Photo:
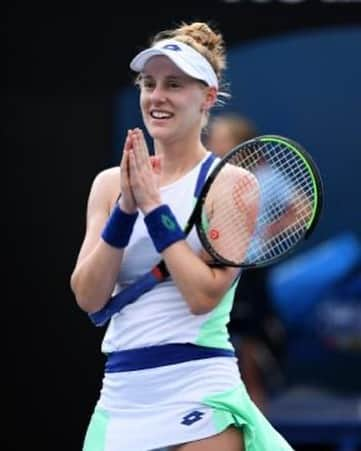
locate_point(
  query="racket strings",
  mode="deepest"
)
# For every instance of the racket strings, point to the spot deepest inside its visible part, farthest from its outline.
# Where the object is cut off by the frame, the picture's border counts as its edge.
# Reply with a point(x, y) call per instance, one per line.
point(285, 203)
point(277, 244)
point(231, 221)
point(286, 184)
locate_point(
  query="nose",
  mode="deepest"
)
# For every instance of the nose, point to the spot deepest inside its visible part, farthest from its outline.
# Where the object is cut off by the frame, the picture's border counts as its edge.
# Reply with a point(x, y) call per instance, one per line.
point(158, 95)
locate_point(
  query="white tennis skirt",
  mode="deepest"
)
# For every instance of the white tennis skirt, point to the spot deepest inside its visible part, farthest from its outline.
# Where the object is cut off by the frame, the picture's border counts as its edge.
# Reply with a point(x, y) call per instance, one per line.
point(153, 408)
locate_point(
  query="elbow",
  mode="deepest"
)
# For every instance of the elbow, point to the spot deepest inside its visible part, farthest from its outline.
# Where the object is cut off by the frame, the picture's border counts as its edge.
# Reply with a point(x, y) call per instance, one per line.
point(75, 286)
point(84, 304)
point(73, 282)
point(202, 305)
point(81, 296)
point(199, 310)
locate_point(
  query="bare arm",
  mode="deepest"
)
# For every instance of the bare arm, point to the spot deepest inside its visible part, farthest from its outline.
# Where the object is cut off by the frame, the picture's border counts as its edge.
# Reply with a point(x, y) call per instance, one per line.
point(236, 198)
point(201, 285)
point(98, 263)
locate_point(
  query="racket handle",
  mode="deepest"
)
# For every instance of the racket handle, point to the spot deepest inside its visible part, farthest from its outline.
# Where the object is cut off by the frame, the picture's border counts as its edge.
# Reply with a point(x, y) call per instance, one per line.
point(123, 298)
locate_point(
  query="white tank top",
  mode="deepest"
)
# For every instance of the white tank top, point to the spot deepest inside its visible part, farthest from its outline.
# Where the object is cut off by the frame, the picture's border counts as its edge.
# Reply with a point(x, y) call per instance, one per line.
point(162, 315)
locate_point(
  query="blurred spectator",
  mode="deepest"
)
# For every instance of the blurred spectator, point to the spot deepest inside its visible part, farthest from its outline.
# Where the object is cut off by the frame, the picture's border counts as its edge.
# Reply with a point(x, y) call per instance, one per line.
point(255, 329)
point(227, 130)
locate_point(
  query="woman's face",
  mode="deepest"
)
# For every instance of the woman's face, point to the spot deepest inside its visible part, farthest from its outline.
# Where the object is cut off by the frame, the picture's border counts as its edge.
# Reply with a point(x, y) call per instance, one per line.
point(172, 103)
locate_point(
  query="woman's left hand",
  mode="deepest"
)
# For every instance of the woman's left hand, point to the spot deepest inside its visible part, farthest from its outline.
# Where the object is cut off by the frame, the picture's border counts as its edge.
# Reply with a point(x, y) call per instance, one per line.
point(144, 174)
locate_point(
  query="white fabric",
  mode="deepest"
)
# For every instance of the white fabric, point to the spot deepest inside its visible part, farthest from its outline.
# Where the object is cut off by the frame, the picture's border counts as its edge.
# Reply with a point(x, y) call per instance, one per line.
point(184, 56)
point(159, 407)
point(161, 315)
point(147, 407)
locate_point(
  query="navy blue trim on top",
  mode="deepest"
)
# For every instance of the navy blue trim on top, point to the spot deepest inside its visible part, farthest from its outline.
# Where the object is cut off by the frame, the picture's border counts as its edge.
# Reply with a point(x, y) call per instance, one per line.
point(203, 174)
point(162, 355)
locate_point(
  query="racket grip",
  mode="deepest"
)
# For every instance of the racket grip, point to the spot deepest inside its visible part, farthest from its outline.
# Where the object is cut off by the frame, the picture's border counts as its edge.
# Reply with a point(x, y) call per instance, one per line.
point(123, 298)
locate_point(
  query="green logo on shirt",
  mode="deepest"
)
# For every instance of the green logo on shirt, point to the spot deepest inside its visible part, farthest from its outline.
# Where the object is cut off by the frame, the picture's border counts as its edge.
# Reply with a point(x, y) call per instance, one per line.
point(168, 222)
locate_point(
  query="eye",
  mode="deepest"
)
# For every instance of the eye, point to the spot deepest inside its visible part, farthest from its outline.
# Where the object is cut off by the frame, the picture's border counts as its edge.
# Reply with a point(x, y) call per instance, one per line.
point(174, 84)
point(148, 84)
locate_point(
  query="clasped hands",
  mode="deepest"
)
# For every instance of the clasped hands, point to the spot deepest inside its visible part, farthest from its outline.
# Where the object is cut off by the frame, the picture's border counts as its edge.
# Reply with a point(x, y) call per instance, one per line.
point(139, 175)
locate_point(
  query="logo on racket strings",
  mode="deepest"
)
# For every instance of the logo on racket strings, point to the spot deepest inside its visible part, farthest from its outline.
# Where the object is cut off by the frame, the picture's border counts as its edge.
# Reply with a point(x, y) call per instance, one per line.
point(214, 234)
point(168, 222)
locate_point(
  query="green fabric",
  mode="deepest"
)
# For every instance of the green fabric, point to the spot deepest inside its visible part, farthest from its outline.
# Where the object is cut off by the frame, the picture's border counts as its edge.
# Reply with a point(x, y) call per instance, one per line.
point(235, 407)
point(95, 436)
point(214, 332)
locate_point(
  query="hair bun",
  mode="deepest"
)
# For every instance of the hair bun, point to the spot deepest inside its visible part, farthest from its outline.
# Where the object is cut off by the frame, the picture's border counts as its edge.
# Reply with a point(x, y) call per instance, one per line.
point(201, 33)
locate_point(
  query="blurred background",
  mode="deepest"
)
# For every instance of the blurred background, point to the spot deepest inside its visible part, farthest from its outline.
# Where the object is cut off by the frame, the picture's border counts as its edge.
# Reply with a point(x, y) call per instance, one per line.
point(294, 70)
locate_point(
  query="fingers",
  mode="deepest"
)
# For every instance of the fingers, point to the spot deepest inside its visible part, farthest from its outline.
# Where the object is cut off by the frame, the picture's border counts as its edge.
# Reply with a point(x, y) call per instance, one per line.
point(141, 149)
point(133, 169)
point(127, 199)
point(143, 175)
point(132, 147)
point(156, 164)
point(127, 143)
point(136, 141)
point(124, 168)
point(124, 161)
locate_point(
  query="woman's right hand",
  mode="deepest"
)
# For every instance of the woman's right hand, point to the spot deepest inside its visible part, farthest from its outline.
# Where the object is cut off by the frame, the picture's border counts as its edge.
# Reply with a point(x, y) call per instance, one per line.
point(126, 201)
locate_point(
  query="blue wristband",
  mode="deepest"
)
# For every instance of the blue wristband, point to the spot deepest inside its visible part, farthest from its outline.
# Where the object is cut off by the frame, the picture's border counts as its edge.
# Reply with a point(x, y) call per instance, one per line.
point(163, 227)
point(119, 227)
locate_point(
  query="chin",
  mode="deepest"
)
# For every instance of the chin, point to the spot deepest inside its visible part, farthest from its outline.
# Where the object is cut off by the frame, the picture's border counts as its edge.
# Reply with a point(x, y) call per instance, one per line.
point(159, 133)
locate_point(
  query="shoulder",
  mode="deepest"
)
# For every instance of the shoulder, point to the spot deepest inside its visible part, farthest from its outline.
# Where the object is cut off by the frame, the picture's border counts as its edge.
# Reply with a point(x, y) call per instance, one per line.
point(233, 175)
point(107, 179)
point(107, 176)
point(106, 185)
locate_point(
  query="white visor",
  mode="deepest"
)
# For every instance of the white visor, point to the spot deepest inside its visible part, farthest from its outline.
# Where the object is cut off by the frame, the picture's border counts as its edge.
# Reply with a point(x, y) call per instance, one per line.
point(184, 56)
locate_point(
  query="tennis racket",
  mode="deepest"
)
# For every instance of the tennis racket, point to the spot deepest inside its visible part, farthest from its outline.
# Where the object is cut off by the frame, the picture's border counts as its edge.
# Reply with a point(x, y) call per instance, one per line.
point(258, 202)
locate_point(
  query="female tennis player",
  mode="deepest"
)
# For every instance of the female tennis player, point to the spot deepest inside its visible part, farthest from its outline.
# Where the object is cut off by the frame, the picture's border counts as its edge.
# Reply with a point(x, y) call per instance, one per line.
point(171, 378)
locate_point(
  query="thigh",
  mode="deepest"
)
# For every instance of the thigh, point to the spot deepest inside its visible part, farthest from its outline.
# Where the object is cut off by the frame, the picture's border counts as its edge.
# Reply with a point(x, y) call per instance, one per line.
point(231, 439)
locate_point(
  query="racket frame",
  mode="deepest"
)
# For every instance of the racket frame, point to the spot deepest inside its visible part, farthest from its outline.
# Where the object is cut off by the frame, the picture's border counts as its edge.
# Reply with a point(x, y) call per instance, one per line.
point(219, 260)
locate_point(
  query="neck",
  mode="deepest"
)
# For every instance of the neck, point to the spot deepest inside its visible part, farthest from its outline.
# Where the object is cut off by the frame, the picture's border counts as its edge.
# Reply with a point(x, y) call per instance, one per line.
point(178, 158)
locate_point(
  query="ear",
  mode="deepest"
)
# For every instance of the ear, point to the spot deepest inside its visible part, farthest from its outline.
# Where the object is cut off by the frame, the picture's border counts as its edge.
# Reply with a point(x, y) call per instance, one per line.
point(210, 98)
